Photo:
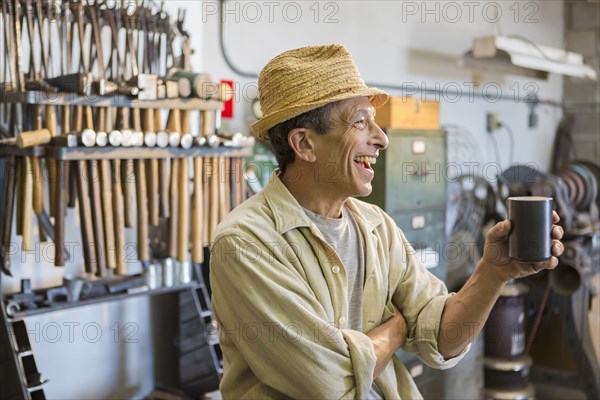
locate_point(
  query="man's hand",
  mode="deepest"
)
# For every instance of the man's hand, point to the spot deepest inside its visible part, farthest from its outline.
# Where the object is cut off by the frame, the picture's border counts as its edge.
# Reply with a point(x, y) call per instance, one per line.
point(495, 252)
point(387, 338)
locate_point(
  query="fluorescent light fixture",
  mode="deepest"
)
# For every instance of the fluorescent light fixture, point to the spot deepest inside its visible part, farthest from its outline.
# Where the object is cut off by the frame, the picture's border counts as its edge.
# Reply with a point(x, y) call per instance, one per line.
point(520, 56)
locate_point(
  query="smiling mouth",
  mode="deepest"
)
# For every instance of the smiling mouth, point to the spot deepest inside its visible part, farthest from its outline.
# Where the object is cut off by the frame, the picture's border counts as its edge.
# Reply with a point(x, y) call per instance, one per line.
point(365, 162)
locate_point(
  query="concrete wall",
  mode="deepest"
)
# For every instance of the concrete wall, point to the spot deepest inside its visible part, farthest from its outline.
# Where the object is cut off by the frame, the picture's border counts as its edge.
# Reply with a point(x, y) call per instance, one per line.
point(582, 98)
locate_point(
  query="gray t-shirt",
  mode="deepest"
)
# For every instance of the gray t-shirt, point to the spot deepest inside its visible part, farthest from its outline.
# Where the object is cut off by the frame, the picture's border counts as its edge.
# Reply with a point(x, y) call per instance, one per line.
point(343, 235)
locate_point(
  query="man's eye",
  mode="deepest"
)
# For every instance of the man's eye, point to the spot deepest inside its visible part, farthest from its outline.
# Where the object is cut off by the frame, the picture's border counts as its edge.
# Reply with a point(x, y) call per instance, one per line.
point(360, 124)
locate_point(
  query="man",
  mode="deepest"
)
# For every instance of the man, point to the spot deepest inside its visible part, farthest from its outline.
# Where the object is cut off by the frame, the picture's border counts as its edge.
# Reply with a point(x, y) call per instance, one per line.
point(314, 290)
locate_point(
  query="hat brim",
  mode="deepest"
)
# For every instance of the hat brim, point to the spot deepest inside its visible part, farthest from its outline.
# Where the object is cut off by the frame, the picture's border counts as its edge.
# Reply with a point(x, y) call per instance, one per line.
point(261, 127)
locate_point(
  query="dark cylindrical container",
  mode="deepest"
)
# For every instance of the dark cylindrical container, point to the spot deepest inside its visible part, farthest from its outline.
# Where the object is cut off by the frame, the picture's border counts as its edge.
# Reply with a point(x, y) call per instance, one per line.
point(530, 238)
point(526, 393)
point(505, 328)
point(507, 374)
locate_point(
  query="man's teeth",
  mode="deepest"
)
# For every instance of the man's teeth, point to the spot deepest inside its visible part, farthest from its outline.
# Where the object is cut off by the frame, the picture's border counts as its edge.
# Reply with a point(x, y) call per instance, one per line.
point(370, 160)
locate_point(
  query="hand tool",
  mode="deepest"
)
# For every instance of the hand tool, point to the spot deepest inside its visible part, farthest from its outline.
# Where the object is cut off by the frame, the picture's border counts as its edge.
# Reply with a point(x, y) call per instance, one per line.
point(127, 169)
point(37, 178)
point(96, 195)
point(224, 187)
point(197, 214)
point(52, 126)
point(152, 165)
point(147, 83)
point(174, 125)
point(105, 121)
point(183, 234)
point(82, 178)
point(208, 128)
point(187, 140)
point(119, 217)
point(202, 85)
point(142, 198)
point(30, 138)
point(10, 182)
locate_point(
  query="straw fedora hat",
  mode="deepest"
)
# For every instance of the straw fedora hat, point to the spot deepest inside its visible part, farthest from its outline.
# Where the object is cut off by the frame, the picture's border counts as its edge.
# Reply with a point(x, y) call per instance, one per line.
point(307, 78)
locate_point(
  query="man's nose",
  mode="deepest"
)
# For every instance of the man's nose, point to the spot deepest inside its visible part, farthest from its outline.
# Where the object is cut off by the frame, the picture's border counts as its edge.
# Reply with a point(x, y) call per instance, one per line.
point(377, 137)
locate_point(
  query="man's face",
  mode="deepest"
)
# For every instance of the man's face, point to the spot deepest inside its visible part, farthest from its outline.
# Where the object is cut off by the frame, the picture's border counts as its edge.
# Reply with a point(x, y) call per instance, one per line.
point(344, 155)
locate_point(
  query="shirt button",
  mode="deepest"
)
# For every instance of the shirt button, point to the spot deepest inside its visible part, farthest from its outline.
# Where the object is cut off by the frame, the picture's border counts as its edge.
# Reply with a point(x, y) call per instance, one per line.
point(342, 320)
point(335, 269)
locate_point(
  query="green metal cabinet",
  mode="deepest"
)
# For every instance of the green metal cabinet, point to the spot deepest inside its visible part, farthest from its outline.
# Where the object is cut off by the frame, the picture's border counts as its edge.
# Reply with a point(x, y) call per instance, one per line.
point(410, 185)
point(412, 172)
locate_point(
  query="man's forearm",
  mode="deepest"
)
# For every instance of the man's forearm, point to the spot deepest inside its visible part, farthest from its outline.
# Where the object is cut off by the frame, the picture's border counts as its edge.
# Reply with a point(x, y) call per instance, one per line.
point(465, 313)
point(387, 338)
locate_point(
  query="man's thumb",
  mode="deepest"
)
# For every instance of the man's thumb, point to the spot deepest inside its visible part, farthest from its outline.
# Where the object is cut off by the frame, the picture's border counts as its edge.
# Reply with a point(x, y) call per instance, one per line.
point(499, 232)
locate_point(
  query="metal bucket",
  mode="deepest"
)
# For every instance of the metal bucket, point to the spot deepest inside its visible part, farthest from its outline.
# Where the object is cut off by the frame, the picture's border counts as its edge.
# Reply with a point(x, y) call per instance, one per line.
point(507, 374)
point(505, 327)
point(526, 393)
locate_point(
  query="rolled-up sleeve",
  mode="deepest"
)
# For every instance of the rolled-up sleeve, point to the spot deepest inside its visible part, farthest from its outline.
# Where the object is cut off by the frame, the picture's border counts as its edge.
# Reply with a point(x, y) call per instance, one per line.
point(279, 330)
point(421, 297)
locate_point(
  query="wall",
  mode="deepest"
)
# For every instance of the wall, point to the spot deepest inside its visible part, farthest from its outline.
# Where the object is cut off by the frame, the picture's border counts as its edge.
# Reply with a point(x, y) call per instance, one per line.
point(402, 43)
point(582, 19)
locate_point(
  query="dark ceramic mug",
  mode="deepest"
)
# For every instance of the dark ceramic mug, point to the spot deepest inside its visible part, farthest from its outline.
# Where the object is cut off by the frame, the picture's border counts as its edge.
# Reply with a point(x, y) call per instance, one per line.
point(530, 238)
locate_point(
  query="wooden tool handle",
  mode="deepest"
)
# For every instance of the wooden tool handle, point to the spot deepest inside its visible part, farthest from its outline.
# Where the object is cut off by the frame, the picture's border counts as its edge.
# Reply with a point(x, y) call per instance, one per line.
point(225, 195)
point(174, 213)
point(152, 164)
point(129, 185)
point(101, 119)
point(38, 185)
point(208, 123)
point(206, 165)
point(153, 192)
point(65, 123)
point(88, 122)
point(85, 219)
point(183, 234)
point(123, 118)
point(51, 120)
point(97, 218)
point(109, 226)
point(7, 221)
point(241, 192)
point(20, 189)
point(52, 126)
point(78, 119)
point(197, 214)
point(148, 120)
point(142, 211)
point(214, 200)
point(174, 121)
point(186, 121)
point(59, 213)
point(136, 119)
point(27, 199)
point(33, 138)
point(158, 120)
point(164, 179)
point(119, 218)
point(128, 174)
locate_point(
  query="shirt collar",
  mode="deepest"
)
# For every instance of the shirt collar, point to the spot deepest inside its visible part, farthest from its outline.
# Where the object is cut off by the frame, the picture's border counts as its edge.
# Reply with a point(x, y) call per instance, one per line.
point(288, 214)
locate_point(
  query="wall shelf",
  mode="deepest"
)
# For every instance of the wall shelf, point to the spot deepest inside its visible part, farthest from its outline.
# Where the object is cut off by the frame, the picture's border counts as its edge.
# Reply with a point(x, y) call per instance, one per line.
point(19, 316)
point(65, 99)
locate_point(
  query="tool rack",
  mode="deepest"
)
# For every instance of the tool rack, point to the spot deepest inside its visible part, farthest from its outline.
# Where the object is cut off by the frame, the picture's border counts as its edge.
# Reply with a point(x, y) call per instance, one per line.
point(16, 351)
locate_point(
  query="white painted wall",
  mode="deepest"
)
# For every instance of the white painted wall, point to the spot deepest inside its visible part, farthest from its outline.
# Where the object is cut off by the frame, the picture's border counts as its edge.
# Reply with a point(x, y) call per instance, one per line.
point(396, 43)
point(390, 46)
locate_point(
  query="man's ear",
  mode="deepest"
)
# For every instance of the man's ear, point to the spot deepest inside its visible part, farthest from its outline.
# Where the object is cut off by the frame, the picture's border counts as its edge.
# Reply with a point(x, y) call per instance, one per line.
point(301, 142)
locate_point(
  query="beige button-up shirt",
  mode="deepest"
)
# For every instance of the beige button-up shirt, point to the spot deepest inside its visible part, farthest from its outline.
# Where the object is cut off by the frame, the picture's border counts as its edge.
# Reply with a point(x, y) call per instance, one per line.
point(280, 298)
